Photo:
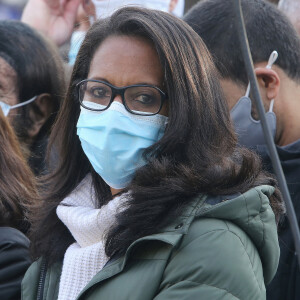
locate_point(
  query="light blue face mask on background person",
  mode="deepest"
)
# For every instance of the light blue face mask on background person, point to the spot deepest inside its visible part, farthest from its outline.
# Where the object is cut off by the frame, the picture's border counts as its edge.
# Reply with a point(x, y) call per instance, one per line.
point(6, 108)
point(248, 130)
point(105, 8)
point(75, 44)
point(114, 141)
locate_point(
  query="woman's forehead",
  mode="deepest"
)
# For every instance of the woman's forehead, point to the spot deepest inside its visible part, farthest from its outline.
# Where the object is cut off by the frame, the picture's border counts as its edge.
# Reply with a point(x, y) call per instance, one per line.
point(124, 59)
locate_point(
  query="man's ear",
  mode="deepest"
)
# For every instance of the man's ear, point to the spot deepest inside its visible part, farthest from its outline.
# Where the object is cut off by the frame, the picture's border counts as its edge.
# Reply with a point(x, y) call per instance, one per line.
point(41, 110)
point(269, 82)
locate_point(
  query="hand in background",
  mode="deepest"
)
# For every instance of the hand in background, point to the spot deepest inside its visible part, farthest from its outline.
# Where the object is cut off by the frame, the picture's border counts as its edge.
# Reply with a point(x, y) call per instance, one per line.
point(54, 18)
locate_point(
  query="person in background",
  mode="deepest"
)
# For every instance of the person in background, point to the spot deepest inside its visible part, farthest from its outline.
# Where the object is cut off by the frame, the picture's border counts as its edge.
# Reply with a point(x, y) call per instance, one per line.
point(190, 3)
point(85, 18)
point(11, 9)
point(291, 8)
point(279, 82)
point(176, 8)
point(152, 198)
point(32, 85)
point(56, 19)
point(17, 197)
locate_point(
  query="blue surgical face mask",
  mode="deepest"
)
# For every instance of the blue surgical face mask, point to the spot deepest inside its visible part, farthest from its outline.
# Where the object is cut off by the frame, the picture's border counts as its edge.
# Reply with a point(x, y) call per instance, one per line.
point(249, 131)
point(114, 141)
point(6, 108)
point(75, 44)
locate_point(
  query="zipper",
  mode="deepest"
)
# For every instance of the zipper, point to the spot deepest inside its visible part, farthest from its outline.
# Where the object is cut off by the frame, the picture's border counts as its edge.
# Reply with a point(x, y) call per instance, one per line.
point(40, 291)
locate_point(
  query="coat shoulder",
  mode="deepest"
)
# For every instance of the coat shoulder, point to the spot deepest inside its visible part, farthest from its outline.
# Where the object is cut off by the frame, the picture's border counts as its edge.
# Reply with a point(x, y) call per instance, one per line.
point(217, 258)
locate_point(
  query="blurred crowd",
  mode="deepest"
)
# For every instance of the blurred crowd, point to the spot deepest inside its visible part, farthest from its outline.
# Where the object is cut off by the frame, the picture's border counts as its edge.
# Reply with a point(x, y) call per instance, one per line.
point(11, 9)
point(133, 163)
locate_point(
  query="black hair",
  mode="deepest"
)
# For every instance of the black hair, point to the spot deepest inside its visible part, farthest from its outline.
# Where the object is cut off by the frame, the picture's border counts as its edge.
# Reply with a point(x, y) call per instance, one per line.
point(267, 29)
point(197, 154)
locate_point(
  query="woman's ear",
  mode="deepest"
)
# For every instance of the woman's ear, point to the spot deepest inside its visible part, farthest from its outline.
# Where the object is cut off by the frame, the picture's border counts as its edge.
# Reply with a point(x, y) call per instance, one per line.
point(269, 82)
point(39, 114)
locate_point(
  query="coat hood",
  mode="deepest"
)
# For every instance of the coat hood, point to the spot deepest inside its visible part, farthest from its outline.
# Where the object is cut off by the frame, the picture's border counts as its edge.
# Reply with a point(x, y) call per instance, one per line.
point(251, 211)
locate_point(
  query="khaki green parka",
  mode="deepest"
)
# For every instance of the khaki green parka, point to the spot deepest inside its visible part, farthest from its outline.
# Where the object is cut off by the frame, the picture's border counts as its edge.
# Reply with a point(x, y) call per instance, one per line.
point(221, 248)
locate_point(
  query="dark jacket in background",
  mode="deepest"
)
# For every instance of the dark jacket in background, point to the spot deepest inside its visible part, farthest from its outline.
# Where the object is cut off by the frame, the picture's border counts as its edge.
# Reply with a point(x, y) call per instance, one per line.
point(286, 284)
point(14, 261)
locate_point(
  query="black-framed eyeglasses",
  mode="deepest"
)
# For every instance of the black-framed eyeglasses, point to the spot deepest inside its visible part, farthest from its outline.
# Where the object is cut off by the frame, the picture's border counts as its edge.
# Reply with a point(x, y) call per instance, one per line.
point(138, 99)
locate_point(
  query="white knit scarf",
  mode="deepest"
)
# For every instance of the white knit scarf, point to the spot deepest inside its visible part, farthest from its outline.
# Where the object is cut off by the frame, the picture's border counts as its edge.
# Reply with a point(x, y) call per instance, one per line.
point(88, 225)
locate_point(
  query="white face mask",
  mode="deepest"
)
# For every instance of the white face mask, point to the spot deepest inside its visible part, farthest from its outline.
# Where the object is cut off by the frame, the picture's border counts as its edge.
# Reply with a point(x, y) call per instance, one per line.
point(105, 8)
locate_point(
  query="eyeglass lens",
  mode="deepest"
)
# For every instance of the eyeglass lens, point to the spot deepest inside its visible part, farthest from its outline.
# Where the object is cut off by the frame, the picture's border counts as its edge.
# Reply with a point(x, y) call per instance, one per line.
point(141, 99)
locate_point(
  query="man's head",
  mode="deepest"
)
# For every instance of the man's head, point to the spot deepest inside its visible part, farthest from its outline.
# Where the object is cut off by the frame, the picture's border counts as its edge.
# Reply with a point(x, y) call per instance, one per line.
point(267, 30)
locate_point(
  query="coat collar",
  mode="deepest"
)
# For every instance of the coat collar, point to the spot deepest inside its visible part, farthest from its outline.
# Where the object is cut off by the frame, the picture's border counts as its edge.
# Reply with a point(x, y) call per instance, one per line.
point(182, 224)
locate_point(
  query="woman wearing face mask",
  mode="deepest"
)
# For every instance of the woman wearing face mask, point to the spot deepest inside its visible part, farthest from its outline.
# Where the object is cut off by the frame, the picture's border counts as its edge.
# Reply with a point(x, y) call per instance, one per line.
point(17, 194)
point(152, 198)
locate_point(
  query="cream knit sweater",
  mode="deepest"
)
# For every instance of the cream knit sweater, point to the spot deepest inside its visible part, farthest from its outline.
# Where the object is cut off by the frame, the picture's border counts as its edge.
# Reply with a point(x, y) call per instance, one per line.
point(88, 225)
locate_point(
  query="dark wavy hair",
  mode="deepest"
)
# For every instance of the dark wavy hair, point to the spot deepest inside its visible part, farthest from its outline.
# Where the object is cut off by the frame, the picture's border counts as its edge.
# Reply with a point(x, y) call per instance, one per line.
point(197, 153)
point(18, 192)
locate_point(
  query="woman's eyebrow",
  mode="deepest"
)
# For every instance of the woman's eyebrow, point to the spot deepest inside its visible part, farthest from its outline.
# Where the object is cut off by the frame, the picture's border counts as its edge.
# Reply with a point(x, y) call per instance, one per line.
point(136, 83)
point(146, 83)
point(99, 78)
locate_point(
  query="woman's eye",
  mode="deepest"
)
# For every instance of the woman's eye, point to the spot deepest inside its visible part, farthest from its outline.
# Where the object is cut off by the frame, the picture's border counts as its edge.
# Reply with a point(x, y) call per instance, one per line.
point(99, 92)
point(145, 99)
